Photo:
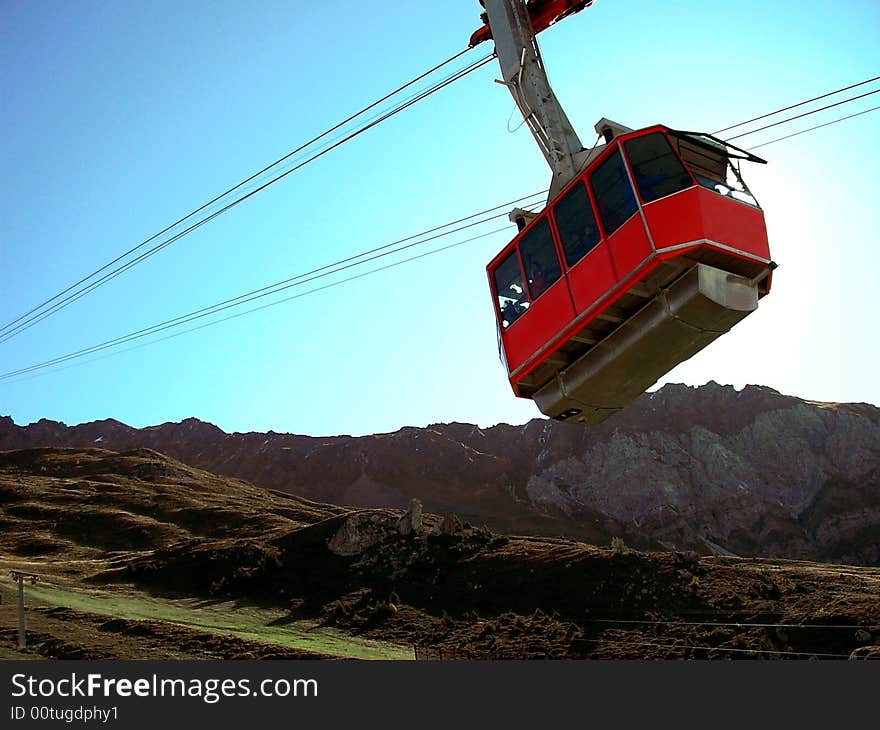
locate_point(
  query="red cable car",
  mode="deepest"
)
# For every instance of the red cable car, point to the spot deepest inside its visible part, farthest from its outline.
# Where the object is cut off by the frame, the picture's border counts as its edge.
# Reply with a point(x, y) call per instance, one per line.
point(651, 246)
point(648, 255)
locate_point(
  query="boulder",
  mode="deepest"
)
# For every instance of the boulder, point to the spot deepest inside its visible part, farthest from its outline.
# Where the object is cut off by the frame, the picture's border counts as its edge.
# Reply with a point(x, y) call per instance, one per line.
point(360, 531)
point(411, 521)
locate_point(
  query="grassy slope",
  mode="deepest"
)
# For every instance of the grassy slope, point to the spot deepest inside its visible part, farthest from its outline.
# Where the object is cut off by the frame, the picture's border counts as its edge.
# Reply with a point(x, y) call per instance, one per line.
point(219, 617)
point(10, 654)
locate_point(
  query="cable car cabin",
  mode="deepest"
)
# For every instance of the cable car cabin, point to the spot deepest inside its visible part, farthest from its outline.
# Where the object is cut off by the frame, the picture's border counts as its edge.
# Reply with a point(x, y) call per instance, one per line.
point(652, 252)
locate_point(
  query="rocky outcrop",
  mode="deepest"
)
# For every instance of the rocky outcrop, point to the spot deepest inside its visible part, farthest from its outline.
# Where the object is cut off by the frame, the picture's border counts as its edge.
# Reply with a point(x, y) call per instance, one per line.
point(710, 469)
point(410, 523)
point(362, 530)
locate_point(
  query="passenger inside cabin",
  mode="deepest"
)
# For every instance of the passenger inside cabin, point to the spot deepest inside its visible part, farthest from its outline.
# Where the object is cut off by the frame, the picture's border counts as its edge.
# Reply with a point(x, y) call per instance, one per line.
point(537, 280)
point(511, 312)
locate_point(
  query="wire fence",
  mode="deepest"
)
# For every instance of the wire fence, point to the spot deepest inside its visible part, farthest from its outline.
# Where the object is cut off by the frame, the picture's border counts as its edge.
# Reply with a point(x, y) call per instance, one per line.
point(862, 644)
point(425, 652)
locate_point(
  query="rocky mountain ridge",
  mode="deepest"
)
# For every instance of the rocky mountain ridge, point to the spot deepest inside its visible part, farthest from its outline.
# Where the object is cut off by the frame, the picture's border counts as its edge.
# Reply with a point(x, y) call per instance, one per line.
point(711, 469)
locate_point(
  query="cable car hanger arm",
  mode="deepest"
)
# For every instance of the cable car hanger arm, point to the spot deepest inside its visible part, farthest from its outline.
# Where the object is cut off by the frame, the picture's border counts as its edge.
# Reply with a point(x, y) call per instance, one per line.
point(542, 13)
point(513, 25)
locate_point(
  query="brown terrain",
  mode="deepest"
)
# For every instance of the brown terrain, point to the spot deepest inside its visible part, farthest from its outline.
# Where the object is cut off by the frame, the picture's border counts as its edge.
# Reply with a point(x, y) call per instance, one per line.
point(711, 470)
point(139, 525)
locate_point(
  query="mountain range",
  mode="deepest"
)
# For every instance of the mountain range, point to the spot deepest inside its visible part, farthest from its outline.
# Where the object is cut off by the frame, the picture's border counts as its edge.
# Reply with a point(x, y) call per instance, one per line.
point(711, 469)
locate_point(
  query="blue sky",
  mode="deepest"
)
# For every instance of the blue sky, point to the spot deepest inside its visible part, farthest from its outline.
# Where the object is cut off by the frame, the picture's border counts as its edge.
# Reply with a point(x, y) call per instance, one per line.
point(119, 118)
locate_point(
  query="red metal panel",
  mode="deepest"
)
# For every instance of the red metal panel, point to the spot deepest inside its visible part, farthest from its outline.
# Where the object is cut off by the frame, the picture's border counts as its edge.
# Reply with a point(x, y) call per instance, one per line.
point(629, 246)
point(591, 277)
point(675, 219)
point(542, 13)
point(545, 317)
point(734, 224)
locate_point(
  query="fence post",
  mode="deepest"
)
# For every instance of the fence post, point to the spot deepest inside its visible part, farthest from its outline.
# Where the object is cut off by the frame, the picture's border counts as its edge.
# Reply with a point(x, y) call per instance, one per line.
point(22, 637)
point(19, 578)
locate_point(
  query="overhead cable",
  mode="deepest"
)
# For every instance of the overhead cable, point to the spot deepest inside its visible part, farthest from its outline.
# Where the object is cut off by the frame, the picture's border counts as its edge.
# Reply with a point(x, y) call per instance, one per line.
point(805, 114)
point(299, 280)
point(818, 126)
point(795, 106)
point(34, 315)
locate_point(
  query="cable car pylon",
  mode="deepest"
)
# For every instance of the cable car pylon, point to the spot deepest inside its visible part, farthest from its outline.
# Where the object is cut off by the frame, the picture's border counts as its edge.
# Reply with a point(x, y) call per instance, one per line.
point(651, 245)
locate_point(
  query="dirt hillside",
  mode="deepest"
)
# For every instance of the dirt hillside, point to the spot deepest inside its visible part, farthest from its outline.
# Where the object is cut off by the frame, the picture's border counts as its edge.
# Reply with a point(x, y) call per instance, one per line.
point(139, 524)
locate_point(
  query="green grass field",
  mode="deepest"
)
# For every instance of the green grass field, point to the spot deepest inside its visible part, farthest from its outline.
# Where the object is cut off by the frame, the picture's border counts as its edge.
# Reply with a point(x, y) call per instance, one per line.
point(269, 626)
point(10, 654)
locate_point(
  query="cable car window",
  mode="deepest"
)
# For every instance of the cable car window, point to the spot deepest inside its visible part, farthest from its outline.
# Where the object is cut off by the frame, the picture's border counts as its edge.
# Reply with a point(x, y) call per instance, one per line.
point(539, 258)
point(512, 299)
point(713, 169)
point(614, 194)
point(656, 168)
point(576, 223)
point(708, 165)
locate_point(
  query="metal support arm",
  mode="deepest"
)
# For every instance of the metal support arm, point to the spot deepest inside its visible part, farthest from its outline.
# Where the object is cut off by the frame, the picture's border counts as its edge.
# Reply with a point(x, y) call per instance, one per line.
point(523, 74)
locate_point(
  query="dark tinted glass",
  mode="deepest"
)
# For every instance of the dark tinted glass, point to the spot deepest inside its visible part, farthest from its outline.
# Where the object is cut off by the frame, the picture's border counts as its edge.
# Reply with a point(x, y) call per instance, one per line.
point(656, 168)
point(512, 299)
point(539, 258)
point(614, 194)
point(576, 223)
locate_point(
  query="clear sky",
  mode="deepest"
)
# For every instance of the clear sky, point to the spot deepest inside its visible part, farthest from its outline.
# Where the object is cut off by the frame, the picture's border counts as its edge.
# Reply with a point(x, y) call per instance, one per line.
point(118, 118)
